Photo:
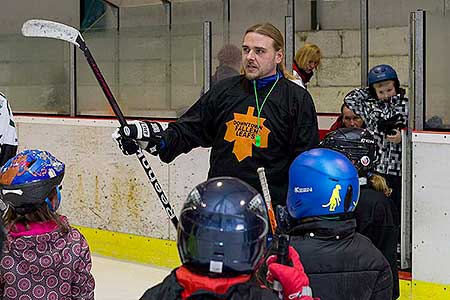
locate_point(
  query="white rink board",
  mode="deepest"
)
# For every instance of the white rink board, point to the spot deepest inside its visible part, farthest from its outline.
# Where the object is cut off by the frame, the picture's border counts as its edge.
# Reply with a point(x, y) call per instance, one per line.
point(431, 207)
point(102, 187)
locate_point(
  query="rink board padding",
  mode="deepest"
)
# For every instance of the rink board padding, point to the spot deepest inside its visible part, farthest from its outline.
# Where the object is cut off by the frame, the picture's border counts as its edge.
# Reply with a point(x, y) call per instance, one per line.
point(131, 247)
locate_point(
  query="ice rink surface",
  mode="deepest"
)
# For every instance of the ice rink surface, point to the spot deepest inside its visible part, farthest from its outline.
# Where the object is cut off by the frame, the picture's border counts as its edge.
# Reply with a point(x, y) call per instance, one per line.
point(121, 280)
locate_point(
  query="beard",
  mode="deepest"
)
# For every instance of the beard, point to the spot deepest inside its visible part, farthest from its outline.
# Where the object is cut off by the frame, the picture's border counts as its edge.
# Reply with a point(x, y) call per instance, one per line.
point(251, 76)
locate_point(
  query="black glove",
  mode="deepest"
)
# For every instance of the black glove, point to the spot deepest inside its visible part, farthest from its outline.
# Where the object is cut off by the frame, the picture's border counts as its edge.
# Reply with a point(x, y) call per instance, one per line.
point(284, 219)
point(387, 126)
point(146, 135)
point(127, 146)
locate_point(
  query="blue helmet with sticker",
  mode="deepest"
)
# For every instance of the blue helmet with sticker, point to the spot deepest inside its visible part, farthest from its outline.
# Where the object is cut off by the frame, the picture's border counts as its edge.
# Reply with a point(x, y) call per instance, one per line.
point(222, 228)
point(381, 73)
point(322, 182)
point(27, 179)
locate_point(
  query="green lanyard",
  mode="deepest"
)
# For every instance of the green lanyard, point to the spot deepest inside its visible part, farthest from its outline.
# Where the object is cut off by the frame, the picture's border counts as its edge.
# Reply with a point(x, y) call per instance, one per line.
point(259, 109)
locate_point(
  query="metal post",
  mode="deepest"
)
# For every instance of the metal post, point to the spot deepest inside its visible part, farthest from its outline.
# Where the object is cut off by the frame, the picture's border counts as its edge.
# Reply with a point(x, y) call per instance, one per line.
point(420, 70)
point(72, 80)
point(315, 22)
point(226, 21)
point(364, 14)
point(289, 34)
point(207, 55)
point(168, 11)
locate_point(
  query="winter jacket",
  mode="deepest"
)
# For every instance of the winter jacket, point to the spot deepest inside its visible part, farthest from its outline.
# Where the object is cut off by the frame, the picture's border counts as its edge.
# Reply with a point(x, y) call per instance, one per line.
point(8, 134)
point(372, 111)
point(171, 289)
point(375, 218)
point(340, 263)
point(225, 119)
point(45, 263)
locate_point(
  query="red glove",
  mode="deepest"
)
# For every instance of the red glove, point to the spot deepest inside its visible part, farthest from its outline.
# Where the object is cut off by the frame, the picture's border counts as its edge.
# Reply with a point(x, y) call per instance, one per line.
point(293, 279)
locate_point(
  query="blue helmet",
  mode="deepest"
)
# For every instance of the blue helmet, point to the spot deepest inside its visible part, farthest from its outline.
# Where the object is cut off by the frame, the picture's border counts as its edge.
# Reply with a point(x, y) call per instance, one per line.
point(381, 73)
point(222, 228)
point(322, 182)
point(27, 179)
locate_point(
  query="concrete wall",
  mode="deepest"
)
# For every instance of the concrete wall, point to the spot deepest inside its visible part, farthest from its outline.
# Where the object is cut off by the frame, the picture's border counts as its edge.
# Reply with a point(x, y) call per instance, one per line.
point(14, 12)
point(340, 70)
point(156, 74)
point(35, 71)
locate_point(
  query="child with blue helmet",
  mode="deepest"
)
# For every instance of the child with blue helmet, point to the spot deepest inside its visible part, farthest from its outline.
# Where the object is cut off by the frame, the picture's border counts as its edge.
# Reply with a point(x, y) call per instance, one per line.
point(221, 241)
point(43, 257)
point(384, 108)
point(375, 213)
point(340, 263)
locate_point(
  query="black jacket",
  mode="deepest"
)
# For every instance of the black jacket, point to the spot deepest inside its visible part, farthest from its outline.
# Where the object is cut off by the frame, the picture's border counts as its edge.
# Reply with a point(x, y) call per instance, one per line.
point(170, 289)
point(225, 118)
point(375, 218)
point(340, 263)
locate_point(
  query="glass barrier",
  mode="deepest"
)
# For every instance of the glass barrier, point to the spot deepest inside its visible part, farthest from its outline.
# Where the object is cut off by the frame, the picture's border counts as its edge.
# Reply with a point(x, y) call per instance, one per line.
point(153, 71)
point(437, 104)
point(340, 47)
point(35, 74)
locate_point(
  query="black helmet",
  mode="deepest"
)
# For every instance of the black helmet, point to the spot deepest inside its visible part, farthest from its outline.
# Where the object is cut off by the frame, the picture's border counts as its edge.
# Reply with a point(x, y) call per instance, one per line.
point(358, 144)
point(222, 229)
point(27, 179)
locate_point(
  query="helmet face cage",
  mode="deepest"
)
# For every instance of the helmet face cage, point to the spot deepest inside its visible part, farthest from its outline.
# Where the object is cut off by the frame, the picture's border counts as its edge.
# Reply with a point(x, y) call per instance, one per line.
point(223, 228)
point(27, 179)
point(357, 144)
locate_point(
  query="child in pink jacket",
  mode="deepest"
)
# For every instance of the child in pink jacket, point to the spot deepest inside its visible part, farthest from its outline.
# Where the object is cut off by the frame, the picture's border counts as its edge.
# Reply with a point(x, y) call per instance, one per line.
point(43, 257)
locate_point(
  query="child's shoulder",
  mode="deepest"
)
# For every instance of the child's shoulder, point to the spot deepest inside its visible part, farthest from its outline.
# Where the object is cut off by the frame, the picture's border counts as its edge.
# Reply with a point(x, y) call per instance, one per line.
point(358, 93)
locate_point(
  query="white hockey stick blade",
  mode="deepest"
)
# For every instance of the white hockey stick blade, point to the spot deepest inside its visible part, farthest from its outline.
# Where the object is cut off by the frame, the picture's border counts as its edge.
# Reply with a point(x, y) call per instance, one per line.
point(50, 29)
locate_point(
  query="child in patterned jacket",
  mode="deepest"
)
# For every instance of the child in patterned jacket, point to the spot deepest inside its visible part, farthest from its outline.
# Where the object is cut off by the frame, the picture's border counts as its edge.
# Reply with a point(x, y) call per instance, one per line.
point(43, 257)
point(384, 107)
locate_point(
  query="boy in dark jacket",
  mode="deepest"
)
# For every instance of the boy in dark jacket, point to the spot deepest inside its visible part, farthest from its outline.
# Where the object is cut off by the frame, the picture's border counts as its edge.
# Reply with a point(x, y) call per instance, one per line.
point(375, 213)
point(221, 241)
point(340, 263)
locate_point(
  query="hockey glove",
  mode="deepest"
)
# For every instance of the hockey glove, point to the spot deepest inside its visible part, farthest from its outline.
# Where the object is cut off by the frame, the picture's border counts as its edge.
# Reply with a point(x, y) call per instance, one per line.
point(127, 146)
point(294, 280)
point(148, 135)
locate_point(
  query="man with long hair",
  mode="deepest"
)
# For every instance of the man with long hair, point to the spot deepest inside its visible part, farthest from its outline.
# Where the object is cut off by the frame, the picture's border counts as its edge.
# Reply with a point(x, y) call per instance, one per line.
point(257, 119)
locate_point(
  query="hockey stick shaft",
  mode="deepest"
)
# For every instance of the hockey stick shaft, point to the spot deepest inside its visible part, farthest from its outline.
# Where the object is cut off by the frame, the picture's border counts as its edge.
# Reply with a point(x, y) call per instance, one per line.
point(49, 29)
point(101, 80)
point(267, 198)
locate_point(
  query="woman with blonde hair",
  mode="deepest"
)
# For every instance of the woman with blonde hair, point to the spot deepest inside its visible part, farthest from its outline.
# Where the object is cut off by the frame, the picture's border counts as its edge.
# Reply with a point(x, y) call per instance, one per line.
point(307, 59)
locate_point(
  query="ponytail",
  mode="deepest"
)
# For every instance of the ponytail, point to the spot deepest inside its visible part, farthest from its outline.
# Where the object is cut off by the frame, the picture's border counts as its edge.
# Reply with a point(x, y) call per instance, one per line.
point(379, 184)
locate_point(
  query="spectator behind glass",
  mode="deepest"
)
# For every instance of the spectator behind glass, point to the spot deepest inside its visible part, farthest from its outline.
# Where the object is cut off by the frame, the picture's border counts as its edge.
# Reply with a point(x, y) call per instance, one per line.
point(347, 119)
point(229, 64)
point(307, 59)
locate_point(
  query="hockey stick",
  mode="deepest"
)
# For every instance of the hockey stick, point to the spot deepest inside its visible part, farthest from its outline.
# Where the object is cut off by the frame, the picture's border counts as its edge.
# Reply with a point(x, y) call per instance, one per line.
point(267, 199)
point(50, 29)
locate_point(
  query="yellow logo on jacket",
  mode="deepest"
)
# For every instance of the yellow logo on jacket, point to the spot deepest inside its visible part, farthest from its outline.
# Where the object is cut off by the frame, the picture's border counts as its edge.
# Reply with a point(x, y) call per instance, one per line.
point(242, 130)
point(335, 199)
